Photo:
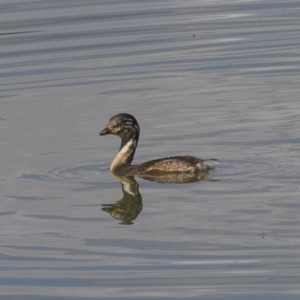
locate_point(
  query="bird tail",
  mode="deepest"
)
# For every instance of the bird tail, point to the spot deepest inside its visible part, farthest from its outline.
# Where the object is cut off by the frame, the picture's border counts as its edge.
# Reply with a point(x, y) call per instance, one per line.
point(210, 163)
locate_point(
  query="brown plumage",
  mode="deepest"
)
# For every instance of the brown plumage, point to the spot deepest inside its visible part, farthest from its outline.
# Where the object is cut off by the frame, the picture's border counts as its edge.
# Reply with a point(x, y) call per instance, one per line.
point(126, 127)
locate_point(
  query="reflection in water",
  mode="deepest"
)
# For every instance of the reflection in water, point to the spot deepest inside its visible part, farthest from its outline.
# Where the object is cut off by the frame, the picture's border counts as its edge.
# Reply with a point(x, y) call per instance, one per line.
point(128, 208)
point(177, 178)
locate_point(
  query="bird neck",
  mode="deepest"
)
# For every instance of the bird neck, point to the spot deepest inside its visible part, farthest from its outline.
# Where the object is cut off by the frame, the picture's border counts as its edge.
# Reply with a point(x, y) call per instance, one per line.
point(125, 155)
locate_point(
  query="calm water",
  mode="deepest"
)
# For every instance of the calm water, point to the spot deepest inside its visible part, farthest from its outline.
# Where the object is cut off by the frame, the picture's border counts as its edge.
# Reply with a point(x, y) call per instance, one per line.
point(215, 79)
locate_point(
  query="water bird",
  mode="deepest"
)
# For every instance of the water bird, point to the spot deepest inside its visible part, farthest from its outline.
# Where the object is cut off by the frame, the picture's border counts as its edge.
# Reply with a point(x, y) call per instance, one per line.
point(127, 128)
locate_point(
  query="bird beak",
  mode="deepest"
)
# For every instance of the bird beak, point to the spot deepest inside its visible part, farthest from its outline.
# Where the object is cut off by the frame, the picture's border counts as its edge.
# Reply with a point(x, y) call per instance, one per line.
point(105, 131)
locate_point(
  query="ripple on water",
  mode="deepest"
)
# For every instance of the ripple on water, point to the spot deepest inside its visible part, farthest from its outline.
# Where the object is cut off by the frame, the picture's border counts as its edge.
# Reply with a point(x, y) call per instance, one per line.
point(82, 173)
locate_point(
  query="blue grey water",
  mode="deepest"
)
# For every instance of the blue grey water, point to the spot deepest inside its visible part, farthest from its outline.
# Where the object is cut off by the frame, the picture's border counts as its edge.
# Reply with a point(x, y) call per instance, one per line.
point(214, 79)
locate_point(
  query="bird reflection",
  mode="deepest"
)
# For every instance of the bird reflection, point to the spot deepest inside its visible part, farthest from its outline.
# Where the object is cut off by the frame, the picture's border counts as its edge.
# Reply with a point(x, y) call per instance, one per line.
point(128, 208)
point(177, 178)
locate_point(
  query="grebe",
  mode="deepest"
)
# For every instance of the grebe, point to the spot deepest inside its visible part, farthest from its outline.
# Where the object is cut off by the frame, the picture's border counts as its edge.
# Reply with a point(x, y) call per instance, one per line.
point(127, 128)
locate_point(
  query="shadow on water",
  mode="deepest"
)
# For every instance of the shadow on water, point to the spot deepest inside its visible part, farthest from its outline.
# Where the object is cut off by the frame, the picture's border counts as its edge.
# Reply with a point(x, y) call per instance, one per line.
point(129, 207)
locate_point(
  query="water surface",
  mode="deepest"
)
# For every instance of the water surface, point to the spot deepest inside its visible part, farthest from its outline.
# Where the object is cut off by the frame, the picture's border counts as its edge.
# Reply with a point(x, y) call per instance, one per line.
point(213, 79)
